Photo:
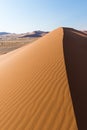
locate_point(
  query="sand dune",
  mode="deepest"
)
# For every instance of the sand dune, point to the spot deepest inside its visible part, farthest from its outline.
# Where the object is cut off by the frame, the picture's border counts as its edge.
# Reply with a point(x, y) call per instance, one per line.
point(34, 89)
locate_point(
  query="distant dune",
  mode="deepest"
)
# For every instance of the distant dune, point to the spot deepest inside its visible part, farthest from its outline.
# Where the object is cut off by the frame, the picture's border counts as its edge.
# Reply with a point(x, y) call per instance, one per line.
point(35, 34)
point(4, 33)
point(10, 45)
point(12, 41)
point(43, 85)
point(12, 36)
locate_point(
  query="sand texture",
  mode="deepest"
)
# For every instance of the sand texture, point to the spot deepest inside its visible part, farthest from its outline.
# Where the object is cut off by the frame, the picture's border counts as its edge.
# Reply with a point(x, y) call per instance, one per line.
point(34, 89)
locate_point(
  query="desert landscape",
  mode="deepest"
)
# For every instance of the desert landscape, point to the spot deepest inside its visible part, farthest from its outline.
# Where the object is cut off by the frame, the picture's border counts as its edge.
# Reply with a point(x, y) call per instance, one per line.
point(11, 41)
point(43, 65)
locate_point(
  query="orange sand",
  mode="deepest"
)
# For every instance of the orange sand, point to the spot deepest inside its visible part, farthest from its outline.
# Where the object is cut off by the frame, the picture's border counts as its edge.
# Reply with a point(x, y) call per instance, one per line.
point(34, 91)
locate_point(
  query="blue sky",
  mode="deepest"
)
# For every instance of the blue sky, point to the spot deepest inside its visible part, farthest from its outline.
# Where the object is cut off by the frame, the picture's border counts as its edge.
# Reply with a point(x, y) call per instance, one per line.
point(19, 16)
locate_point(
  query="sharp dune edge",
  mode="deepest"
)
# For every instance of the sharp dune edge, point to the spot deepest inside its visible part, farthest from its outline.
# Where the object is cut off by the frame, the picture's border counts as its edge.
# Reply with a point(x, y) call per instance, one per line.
point(34, 90)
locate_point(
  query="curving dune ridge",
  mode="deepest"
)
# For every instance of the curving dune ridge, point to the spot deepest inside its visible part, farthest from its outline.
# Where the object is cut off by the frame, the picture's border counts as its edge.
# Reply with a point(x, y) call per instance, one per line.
point(34, 89)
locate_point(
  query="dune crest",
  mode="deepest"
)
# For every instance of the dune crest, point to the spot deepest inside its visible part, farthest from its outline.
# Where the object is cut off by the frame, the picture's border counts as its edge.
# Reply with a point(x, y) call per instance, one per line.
point(34, 90)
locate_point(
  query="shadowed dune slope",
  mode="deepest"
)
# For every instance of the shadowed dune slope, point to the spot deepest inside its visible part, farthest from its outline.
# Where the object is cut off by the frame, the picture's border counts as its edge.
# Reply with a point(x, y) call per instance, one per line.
point(75, 51)
point(34, 90)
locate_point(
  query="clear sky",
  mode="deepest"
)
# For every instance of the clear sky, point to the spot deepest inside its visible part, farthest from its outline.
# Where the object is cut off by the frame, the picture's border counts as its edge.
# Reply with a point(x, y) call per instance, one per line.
point(19, 16)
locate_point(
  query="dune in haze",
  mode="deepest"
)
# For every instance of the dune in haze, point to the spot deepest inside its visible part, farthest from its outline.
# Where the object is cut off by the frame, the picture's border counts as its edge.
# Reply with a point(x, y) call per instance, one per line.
point(36, 89)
